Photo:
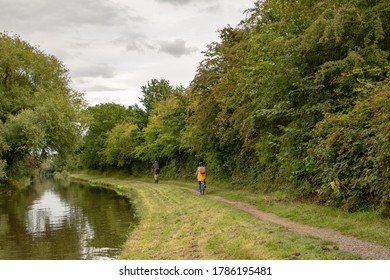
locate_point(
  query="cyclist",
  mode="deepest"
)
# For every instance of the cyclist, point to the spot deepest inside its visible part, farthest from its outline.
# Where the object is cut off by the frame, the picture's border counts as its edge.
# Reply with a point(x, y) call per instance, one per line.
point(156, 171)
point(201, 175)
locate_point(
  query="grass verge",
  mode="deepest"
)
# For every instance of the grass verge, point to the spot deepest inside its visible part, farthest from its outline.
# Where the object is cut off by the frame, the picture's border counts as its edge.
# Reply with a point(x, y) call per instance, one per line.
point(175, 224)
point(365, 225)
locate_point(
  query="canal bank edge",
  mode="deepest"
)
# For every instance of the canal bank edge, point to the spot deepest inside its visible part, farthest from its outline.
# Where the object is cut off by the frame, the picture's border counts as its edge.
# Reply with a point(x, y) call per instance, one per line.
point(118, 185)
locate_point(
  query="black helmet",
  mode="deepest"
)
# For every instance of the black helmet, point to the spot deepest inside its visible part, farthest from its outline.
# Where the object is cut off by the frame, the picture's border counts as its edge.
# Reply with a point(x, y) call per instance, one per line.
point(200, 163)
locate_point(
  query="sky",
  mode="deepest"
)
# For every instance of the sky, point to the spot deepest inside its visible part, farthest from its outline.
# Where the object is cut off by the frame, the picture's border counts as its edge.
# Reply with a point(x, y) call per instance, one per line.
point(114, 47)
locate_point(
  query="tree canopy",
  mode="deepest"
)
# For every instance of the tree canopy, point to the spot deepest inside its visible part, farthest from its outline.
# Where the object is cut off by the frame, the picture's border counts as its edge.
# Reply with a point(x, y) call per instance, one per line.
point(40, 115)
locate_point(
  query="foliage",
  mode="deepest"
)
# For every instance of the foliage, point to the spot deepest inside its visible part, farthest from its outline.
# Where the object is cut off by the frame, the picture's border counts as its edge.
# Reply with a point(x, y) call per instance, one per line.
point(154, 91)
point(39, 113)
point(289, 97)
point(163, 133)
point(121, 143)
point(104, 117)
point(352, 153)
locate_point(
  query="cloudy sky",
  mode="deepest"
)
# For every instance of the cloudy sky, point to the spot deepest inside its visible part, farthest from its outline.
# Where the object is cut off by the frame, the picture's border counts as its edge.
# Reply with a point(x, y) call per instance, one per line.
point(114, 47)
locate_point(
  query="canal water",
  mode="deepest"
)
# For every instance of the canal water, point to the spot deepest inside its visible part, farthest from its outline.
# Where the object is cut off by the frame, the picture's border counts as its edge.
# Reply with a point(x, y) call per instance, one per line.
point(53, 221)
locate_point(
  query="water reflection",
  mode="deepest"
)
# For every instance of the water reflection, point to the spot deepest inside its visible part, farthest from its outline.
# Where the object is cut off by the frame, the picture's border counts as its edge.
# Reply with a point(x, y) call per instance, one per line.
point(47, 212)
point(51, 221)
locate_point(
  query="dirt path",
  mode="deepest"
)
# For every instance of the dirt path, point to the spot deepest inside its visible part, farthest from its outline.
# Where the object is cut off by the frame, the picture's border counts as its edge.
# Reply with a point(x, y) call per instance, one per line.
point(365, 249)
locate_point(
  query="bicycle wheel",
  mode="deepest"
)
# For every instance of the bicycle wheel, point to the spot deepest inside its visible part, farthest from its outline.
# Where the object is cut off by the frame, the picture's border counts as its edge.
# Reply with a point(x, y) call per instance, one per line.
point(156, 178)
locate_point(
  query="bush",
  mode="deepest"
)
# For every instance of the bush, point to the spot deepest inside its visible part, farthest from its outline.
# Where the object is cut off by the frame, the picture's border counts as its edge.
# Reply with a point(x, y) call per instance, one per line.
point(352, 154)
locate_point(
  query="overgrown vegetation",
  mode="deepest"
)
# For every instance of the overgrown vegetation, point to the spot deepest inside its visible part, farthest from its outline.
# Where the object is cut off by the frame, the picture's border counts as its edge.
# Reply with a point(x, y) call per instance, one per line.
point(295, 97)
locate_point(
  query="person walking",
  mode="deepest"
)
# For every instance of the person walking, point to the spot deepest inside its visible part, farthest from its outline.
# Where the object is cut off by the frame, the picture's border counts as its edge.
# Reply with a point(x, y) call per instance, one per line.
point(201, 175)
point(156, 171)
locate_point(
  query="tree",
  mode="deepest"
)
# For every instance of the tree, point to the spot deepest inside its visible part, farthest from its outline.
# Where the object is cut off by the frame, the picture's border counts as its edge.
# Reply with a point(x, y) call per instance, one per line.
point(121, 143)
point(40, 114)
point(162, 135)
point(103, 118)
point(154, 91)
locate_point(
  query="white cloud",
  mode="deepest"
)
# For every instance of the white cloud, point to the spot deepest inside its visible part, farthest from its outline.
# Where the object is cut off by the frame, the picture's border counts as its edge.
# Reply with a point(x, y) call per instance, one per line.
point(92, 71)
point(114, 47)
point(64, 15)
point(135, 41)
point(176, 2)
point(103, 88)
point(176, 48)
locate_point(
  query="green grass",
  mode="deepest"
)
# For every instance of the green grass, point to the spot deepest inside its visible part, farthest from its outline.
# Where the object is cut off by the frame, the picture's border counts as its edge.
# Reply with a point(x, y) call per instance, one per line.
point(368, 225)
point(176, 224)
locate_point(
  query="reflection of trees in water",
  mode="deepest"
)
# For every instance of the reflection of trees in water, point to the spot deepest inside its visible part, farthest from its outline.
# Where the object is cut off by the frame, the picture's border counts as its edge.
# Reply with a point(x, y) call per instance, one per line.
point(75, 222)
point(108, 213)
point(50, 221)
point(47, 212)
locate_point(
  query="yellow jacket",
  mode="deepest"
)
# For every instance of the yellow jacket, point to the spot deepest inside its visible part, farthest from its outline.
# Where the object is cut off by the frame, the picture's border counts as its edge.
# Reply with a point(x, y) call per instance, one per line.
point(199, 176)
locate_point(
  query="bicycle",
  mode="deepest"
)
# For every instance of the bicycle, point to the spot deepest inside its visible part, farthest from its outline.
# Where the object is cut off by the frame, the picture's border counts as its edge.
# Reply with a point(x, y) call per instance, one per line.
point(156, 178)
point(202, 187)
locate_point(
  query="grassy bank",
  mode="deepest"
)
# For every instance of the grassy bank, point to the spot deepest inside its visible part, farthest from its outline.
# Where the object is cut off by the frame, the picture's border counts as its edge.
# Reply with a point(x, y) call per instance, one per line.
point(176, 224)
point(365, 225)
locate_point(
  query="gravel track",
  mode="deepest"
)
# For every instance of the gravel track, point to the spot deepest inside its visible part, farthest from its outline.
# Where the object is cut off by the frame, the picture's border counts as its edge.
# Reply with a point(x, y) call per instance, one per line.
point(367, 250)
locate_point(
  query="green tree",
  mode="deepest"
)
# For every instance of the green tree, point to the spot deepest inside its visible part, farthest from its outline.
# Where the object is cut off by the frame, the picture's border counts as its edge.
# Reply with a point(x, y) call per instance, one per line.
point(40, 114)
point(154, 91)
point(121, 144)
point(103, 118)
point(162, 136)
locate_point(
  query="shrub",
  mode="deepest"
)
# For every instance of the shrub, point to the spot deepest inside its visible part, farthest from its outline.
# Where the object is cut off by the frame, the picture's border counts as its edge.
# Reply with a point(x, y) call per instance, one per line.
point(352, 154)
